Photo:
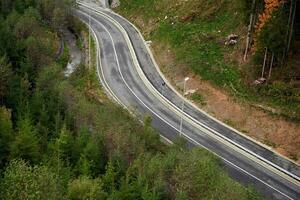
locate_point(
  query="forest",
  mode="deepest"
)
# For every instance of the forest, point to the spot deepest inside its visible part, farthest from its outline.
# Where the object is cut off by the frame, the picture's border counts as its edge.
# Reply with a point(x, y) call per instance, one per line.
point(62, 138)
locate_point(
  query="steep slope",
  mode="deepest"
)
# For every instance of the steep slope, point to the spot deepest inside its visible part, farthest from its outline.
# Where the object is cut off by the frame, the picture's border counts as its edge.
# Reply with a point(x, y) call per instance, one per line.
point(188, 39)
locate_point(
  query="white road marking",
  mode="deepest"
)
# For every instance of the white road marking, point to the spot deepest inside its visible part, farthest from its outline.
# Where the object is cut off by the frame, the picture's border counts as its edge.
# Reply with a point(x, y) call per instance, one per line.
point(205, 126)
point(192, 120)
point(191, 139)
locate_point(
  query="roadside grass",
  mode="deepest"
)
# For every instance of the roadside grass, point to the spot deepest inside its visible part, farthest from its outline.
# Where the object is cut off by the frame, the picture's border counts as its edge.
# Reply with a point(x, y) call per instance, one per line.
point(65, 56)
point(200, 45)
point(196, 32)
point(139, 147)
point(79, 44)
point(230, 123)
point(196, 42)
point(198, 98)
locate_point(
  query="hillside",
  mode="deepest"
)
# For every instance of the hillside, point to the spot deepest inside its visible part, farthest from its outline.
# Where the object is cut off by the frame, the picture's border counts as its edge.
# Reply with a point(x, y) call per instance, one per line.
point(62, 137)
point(189, 39)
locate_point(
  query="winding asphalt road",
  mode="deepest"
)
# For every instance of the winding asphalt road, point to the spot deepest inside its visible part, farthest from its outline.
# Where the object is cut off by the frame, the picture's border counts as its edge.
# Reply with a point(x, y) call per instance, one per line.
point(130, 76)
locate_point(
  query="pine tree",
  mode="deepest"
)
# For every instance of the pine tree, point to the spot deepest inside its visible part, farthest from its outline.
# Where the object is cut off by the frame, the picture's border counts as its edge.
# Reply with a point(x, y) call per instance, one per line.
point(5, 76)
point(6, 136)
point(26, 143)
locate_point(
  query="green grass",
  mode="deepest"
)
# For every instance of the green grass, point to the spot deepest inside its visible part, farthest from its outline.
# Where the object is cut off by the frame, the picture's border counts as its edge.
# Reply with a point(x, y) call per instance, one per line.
point(198, 43)
point(65, 56)
point(195, 43)
point(79, 43)
point(197, 97)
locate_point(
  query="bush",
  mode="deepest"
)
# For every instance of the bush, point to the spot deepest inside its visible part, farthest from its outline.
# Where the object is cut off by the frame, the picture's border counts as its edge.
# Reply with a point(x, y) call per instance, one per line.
point(86, 188)
point(272, 36)
point(21, 181)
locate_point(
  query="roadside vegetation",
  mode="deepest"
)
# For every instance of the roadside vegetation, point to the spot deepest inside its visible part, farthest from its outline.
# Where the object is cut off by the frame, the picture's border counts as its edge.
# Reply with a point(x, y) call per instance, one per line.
point(62, 138)
point(193, 34)
point(196, 31)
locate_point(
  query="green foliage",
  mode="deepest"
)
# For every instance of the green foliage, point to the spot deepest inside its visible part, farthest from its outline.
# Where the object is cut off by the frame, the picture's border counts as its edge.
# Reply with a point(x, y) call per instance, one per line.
point(272, 36)
point(21, 181)
point(94, 153)
point(5, 74)
point(64, 145)
point(73, 142)
point(85, 188)
point(194, 35)
point(6, 135)
point(283, 95)
point(147, 120)
point(26, 142)
point(55, 12)
point(205, 172)
point(246, 8)
point(197, 97)
point(59, 18)
point(193, 46)
point(109, 178)
point(65, 56)
point(195, 31)
point(28, 24)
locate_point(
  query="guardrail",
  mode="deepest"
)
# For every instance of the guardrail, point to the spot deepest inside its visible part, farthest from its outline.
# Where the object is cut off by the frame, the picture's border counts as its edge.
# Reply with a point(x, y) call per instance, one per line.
point(124, 32)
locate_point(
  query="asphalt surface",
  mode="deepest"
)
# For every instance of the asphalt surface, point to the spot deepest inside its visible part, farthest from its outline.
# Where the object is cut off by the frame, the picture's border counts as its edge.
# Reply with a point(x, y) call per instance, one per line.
point(156, 80)
point(119, 75)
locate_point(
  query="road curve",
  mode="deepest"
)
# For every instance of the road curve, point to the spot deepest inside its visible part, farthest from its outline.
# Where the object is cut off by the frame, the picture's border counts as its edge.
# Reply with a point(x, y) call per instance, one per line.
point(124, 69)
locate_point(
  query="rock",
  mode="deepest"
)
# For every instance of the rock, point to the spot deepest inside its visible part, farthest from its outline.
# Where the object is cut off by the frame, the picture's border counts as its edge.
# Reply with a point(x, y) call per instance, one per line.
point(148, 42)
point(115, 3)
point(231, 42)
point(259, 81)
point(188, 92)
point(231, 39)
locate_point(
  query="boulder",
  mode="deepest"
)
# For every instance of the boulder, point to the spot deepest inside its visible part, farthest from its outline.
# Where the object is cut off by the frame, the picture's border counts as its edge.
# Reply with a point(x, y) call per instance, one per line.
point(231, 39)
point(260, 81)
point(115, 3)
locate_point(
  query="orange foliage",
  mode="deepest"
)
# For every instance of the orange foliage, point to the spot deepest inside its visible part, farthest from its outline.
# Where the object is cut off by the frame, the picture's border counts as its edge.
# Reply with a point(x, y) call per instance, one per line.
point(270, 7)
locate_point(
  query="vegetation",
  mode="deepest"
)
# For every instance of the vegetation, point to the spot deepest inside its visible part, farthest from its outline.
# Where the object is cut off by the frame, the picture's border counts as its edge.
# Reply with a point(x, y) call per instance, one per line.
point(196, 31)
point(197, 97)
point(61, 138)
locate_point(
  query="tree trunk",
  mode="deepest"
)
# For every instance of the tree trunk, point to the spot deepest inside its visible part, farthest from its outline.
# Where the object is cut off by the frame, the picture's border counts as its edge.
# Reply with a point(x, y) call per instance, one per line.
point(264, 65)
point(292, 27)
point(287, 32)
point(271, 66)
point(250, 29)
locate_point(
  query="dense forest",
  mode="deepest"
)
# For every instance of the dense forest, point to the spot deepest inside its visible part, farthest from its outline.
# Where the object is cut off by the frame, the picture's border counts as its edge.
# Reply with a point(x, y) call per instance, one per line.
point(61, 138)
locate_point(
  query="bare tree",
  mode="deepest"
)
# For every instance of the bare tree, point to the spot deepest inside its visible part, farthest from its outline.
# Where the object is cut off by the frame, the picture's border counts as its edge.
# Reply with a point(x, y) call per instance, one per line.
point(292, 26)
point(271, 65)
point(265, 61)
point(250, 27)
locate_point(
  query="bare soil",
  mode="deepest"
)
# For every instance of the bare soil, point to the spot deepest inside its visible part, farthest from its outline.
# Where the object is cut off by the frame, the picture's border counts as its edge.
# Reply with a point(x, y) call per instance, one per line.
point(281, 135)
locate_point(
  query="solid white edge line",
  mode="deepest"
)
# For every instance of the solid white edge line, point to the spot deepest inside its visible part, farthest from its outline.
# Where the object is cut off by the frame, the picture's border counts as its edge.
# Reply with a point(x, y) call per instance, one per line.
point(208, 128)
point(187, 100)
point(220, 135)
point(104, 83)
point(191, 139)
